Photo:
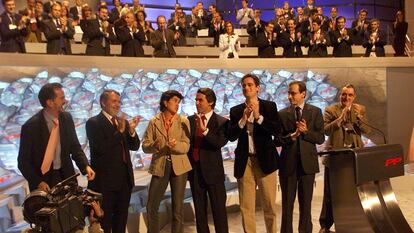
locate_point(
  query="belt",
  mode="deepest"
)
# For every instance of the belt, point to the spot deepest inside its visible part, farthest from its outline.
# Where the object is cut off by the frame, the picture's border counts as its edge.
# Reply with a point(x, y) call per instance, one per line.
point(251, 155)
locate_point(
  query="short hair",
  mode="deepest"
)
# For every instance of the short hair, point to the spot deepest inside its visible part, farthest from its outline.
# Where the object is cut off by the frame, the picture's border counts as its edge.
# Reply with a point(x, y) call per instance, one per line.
point(363, 10)
point(256, 79)
point(340, 17)
point(334, 8)
point(166, 96)
point(301, 85)
point(374, 20)
point(210, 95)
point(55, 4)
point(200, 2)
point(313, 11)
point(348, 85)
point(270, 22)
point(105, 95)
point(294, 21)
point(47, 92)
point(317, 21)
point(39, 2)
point(232, 25)
point(214, 6)
point(160, 16)
point(4, 1)
point(102, 7)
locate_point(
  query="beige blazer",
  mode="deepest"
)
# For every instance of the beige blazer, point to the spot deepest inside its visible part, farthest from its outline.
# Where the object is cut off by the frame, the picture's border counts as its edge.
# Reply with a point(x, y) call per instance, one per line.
point(335, 131)
point(180, 131)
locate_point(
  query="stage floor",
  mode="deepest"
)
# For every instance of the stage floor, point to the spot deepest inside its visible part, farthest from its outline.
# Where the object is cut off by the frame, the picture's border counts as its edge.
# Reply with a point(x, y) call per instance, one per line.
point(403, 187)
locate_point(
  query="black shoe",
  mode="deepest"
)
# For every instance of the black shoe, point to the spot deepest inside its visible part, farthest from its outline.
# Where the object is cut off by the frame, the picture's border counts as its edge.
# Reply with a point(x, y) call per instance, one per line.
point(324, 230)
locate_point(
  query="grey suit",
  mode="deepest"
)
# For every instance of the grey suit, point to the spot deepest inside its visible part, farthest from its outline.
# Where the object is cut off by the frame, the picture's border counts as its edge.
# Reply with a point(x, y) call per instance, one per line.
point(163, 48)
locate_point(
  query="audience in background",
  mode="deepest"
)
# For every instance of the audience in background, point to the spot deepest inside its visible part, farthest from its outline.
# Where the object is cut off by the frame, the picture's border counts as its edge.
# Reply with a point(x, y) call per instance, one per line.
point(200, 24)
point(399, 29)
point(374, 40)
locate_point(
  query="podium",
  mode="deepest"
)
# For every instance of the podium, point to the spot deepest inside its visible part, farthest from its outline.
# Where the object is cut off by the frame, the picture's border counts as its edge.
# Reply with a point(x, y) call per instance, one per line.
point(362, 197)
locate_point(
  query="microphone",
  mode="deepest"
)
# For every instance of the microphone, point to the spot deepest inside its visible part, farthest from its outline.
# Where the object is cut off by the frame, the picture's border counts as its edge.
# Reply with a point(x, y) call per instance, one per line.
point(372, 127)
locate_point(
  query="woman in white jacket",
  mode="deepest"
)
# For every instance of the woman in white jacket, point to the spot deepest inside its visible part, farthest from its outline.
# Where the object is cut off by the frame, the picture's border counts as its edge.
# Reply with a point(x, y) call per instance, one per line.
point(229, 43)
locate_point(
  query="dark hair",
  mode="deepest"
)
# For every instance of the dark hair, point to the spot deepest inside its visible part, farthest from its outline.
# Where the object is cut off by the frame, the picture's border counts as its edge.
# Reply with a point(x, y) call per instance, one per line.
point(317, 21)
point(313, 11)
point(4, 1)
point(55, 4)
point(159, 17)
point(301, 85)
point(210, 95)
point(214, 6)
point(340, 17)
point(39, 2)
point(143, 12)
point(270, 22)
point(374, 20)
point(47, 92)
point(254, 77)
point(363, 10)
point(105, 95)
point(102, 7)
point(166, 96)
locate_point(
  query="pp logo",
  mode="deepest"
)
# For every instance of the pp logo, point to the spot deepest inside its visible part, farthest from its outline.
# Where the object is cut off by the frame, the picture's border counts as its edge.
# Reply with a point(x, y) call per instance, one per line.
point(393, 161)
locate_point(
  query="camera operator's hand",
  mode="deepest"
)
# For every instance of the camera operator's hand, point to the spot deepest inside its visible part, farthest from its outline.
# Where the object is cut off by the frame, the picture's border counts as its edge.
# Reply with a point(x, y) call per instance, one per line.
point(97, 210)
point(90, 173)
point(44, 186)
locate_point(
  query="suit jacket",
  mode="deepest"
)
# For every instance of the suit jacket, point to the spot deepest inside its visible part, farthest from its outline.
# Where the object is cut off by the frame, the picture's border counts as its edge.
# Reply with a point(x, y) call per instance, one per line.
point(12, 40)
point(379, 45)
point(192, 28)
point(358, 32)
point(95, 46)
point(211, 160)
point(114, 15)
point(215, 32)
point(342, 47)
point(307, 142)
point(266, 49)
point(292, 48)
point(254, 31)
point(337, 134)
point(228, 44)
point(158, 43)
point(73, 11)
point(53, 36)
point(131, 44)
point(182, 29)
point(33, 142)
point(319, 50)
point(105, 143)
point(262, 136)
point(180, 131)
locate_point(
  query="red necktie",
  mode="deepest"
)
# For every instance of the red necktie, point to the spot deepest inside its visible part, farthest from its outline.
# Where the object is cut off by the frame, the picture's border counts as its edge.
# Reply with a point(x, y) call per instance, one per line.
point(198, 139)
point(122, 142)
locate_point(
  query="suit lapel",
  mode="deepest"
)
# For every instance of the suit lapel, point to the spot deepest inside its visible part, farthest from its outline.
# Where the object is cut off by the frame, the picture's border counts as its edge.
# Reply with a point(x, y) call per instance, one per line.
point(44, 131)
point(306, 114)
point(291, 116)
point(159, 124)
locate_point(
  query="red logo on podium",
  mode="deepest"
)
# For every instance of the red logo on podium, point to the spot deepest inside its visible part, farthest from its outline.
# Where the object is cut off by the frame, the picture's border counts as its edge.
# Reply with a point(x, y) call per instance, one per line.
point(393, 161)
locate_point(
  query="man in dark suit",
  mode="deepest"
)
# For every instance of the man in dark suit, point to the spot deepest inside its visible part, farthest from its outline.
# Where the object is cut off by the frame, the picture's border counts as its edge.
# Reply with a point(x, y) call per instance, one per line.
point(359, 27)
point(208, 136)
point(267, 41)
point(13, 29)
point(216, 28)
point(255, 27)
point(99, 34)
point(254, 123)
point(47, 6)
point(115, 12)
point(132, 37)
point(48, 141)
point(193, 22)
point(292, 41)
point(306, 26)
point(302, 130)
point(179, 24)
point(344, 124)
point(110, 140)
point(58, 32)
point(319, 41)
point(310, 6)
point(374, 40)
point(163, 39)
point(76, 10)
point(341, 39)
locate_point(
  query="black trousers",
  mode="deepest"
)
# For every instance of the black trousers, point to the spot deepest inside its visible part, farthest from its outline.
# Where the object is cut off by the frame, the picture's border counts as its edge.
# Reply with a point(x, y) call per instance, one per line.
point(115, 205)
point(216, 194)
point(303, 184)
point(326, 219)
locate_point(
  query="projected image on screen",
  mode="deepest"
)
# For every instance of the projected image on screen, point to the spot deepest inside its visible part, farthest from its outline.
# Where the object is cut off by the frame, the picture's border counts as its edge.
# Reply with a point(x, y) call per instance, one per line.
point(140, 94)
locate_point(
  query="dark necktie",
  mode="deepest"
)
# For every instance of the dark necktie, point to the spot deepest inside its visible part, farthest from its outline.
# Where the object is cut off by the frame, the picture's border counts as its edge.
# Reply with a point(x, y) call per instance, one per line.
point(12, 19)
point(298, 113)
point(114, 123)
point(197, 142)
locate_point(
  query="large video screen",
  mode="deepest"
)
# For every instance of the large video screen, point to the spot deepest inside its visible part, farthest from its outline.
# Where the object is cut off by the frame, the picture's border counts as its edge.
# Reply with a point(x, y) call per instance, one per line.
point(140, 94)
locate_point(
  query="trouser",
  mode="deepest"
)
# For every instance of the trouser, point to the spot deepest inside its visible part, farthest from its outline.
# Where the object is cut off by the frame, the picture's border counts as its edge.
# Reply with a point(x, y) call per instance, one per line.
point(156, 192)
point(326, 219)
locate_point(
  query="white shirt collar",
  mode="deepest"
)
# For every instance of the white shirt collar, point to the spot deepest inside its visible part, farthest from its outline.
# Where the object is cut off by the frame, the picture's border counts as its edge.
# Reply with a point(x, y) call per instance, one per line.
point(107, 115)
